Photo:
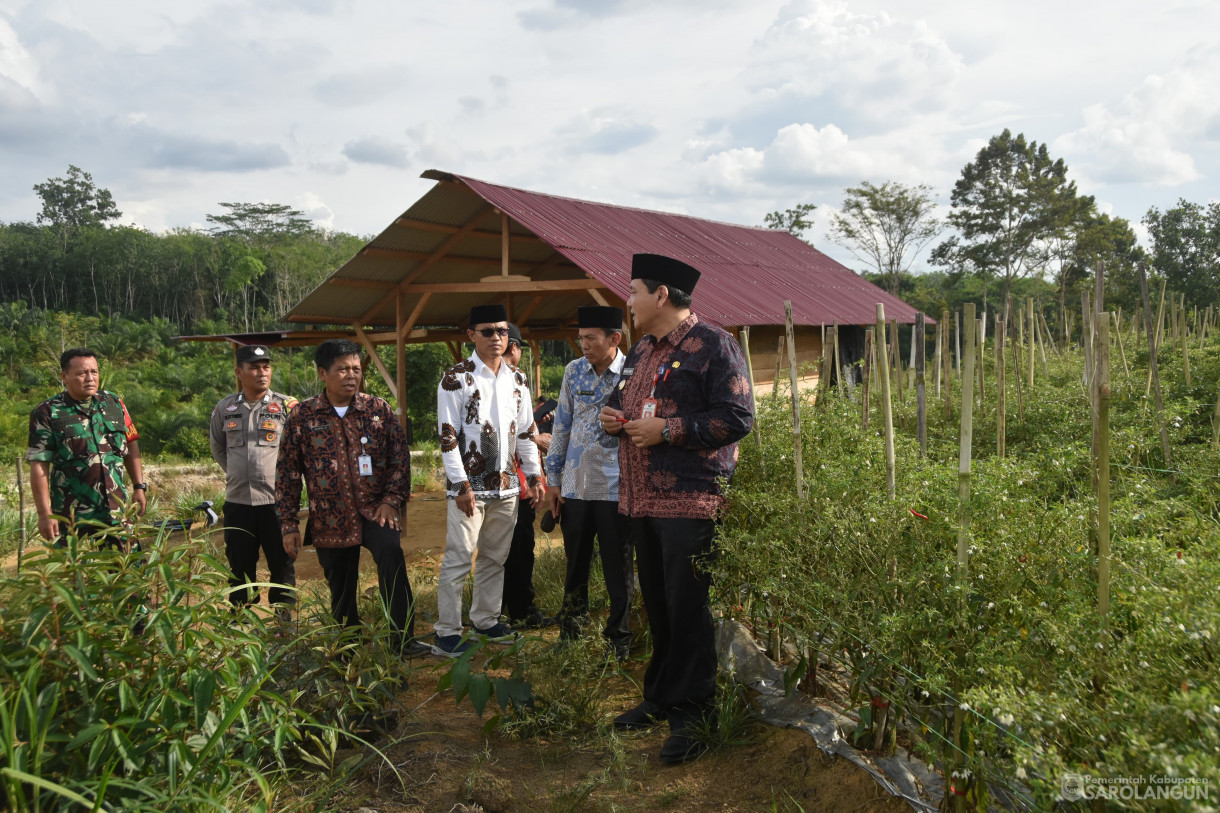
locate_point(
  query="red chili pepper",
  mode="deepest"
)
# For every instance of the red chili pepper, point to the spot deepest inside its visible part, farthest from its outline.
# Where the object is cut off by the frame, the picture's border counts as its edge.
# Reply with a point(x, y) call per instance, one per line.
point(916, 513)
point(1021, 558)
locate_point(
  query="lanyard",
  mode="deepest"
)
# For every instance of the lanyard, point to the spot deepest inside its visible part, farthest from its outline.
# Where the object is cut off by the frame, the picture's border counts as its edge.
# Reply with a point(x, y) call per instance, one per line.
point(658, 377)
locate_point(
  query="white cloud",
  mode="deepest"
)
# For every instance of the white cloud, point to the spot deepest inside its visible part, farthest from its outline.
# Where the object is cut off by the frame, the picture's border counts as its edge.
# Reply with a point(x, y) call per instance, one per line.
point(19, 67)
point(1152, 134)
point(377, 151)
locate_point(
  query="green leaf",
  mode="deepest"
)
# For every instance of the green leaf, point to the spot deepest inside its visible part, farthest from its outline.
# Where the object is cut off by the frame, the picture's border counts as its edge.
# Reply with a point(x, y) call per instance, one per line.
point(82, 662)
point(480, 692)
point(205, 688)
point(45, 784)
point(460, 674)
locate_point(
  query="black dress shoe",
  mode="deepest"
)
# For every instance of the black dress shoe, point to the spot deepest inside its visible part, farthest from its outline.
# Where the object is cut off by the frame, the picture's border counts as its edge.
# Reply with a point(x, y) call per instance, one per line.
point(681, 748)
point(645, 715)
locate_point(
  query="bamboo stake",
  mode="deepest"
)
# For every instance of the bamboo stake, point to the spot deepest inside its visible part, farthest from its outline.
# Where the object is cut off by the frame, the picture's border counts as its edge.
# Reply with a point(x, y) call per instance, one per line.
point(1118, 334)
point(1086, 339)
point(921, 395)
point(1033, 338)
point(868, 368)
point(796, 401)
point(887, 407)
point(945, 362)
point(779, 360)
point(957, 335)
point(936, 357)
point(745, 349)
point(1000, 396)
point(979, 336)
point(1154, 377)
point(1037, 327)
point(1102, 479)
point(1050, 337)
point(21, 513)
point(896, 358)
point(1160, 318)
point(963, 519)
point(1016, 363)
point(911, 363)
point(834, 337)
point(823, 367)
point(1185, 343)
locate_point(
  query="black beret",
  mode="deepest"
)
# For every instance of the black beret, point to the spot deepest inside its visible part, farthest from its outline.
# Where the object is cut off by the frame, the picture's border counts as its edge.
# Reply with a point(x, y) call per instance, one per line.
point(482, 314)
point(599, 316)
point(665, 270)
point(514, 335)
point(252, 352)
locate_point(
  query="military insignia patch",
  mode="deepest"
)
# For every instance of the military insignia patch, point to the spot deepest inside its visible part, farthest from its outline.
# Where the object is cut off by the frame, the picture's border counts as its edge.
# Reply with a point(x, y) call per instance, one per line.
point(270, 436)
point(273, 408)
point(232, 425)
point(231, 408)
point(271, 425)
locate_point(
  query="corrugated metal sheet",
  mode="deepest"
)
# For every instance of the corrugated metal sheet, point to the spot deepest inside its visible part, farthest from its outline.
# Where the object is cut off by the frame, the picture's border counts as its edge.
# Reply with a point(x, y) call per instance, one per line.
point(748, 272)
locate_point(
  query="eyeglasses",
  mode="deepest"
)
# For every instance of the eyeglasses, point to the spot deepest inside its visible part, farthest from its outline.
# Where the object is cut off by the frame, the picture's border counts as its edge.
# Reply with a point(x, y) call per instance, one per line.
point(488, 332)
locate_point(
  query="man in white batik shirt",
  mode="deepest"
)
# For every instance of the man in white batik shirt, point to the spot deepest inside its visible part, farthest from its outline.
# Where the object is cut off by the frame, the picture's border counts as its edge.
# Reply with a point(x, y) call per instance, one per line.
point(485, 413)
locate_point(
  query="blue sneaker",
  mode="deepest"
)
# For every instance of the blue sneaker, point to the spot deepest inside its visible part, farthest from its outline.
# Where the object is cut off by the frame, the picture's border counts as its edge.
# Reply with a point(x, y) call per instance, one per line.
point(449, 646)
point(497, 633)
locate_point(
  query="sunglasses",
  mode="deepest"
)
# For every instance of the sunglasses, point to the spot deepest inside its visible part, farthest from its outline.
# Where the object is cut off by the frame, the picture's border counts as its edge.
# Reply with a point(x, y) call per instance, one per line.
point(488, 332)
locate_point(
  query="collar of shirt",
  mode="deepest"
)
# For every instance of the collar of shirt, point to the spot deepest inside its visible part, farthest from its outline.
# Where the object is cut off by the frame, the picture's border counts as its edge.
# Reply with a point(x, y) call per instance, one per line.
point(675, 336)
point(358, 402)
point(480, 368)
point(615, 367)
point(89, 402)
point(241, 397)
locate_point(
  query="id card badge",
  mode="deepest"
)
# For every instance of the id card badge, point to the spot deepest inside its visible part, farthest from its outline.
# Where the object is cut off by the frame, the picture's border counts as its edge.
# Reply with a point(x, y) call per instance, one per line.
point(649, 408)
point(365, 461)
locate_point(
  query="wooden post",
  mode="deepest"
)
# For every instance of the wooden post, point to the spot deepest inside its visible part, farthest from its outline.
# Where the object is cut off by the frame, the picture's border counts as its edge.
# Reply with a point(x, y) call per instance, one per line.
point(911, 363)
point(868, 368)
point(945, 361)
point(1185, 343)
point(957, 335)
point(779, 360)
point(1048, 336)
point(978, 334)
point(1016, 364)
point(936, 357)
point(1154, 377)
point(745, 349)
point(824, 367)
point(20, 513)
point(838, 374)
point(963, 524)
point(400, 364)
point(1086, 339)
point(921, 395)
point(886, 405)
point(1156, 329)
point(796, 401)
point(1000, 397)
point(1101, 458)
point(895, 358)
point(1118, 335)
point(1033, 339)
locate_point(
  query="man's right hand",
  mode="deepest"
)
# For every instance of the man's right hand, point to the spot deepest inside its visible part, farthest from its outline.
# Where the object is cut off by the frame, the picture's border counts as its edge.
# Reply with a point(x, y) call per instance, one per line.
point(292, 544)
point(554, 502)
point(465, 503)
point(48, 528)
point(610, 419)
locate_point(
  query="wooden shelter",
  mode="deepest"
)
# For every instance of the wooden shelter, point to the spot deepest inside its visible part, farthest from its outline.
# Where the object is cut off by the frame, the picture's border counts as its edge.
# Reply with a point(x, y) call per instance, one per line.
point(468, 242)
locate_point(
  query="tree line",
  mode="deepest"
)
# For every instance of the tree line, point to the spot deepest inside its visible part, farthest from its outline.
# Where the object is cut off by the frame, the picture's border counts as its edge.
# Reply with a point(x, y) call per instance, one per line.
point(1014, 215)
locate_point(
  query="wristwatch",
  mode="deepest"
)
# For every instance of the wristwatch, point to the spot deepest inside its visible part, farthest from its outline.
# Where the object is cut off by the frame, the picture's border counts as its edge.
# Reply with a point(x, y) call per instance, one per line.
point(665, 434)
point(139, 486)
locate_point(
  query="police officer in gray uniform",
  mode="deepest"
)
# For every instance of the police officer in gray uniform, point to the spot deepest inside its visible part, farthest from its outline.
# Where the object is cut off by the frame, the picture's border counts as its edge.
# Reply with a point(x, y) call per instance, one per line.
point(245, 435)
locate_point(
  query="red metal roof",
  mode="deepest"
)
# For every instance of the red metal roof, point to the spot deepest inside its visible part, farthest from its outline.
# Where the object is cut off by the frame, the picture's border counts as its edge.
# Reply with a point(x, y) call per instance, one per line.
point(747, 271)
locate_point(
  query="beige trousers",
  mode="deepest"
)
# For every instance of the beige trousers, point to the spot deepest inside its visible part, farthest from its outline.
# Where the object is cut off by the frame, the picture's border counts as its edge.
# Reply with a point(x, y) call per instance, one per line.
point(485, 538)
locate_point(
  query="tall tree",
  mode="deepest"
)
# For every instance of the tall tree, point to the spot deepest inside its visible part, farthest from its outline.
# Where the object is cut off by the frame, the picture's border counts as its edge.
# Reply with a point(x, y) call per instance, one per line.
point(886, 226)
point(795, 221)
point(73, 203)
point(1186, 248)
point(1009, 204)
point(255, 221)
point(1097, 238)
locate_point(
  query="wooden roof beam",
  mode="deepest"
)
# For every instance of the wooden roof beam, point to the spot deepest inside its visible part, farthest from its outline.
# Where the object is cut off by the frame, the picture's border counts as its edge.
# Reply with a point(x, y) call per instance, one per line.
point(509, 287)
point(404, 254)
point(440, 252)
point(376, 359)
point(445, 228)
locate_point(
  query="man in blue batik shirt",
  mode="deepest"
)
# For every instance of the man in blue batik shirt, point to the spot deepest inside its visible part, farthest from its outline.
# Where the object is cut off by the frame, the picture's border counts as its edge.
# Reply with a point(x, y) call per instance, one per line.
point(582, 476)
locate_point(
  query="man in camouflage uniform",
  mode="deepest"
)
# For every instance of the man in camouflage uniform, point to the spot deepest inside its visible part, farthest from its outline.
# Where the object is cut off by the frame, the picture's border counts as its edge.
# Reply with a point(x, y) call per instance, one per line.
point(80, 442)
point(245, 434)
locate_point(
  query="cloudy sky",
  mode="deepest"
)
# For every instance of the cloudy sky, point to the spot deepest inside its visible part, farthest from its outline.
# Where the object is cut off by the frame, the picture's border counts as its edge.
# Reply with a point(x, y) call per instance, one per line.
point(725, 109)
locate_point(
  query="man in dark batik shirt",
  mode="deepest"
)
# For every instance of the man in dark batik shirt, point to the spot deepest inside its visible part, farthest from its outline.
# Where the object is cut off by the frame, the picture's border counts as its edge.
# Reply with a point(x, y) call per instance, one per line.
point(681, 407)
point(352, 453)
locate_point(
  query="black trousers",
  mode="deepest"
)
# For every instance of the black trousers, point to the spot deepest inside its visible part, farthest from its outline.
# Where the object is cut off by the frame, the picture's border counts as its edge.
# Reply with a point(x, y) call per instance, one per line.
point(249, 529)
point(518, 600)
point(670, 554)
point(582, 521)
point(342, 569)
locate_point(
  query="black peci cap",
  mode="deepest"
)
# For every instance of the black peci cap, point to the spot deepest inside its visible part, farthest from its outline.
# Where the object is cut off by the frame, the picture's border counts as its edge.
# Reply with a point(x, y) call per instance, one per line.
point(599, 316)
point(252, 352)
point(514, 335)
point(665, 270)
point(482, 314)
